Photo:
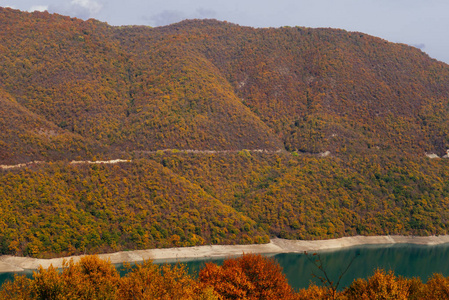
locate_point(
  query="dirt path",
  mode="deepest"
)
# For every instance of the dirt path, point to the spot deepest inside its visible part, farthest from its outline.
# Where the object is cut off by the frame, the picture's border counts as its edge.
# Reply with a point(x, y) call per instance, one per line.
point(73, 162)
point(115, 161)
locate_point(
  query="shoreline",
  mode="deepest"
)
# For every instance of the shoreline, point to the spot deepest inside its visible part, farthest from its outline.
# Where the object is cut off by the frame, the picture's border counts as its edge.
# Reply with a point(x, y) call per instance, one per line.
point(10, 263)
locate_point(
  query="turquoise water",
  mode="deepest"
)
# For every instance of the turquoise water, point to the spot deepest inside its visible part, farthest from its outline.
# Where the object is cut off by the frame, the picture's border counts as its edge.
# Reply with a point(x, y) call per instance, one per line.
point(404, 259)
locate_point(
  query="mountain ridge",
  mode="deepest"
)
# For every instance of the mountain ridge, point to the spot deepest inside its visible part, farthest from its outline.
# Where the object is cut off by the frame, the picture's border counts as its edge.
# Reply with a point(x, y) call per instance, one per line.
point(193, 83)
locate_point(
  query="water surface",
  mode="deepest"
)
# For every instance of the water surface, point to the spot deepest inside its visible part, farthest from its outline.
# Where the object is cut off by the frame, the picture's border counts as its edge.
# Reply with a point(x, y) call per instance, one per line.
point(404, 259)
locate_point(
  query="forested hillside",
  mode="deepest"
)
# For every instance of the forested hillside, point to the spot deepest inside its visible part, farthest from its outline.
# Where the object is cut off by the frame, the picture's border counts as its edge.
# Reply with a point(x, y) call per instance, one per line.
point(259, 106)
point(182, 199)
point(205, 84)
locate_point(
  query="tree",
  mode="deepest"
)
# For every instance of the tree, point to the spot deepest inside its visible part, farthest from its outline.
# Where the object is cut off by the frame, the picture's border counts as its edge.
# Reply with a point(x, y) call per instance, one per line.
point(150, 281)
point(381, 285)
point(17, 289)
point(247, 277)
point(437, 287)
point(330, 286)
point(90, 278)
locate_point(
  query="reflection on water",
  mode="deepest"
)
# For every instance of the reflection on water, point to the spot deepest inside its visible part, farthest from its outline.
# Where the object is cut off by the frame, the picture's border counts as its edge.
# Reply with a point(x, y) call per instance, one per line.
point(10, 276)
point(404, 259)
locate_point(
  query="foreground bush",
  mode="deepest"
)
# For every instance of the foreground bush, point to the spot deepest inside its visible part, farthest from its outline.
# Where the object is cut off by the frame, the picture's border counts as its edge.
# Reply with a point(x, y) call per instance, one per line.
point(93, 278)
point(248, 277)
point(90, 278)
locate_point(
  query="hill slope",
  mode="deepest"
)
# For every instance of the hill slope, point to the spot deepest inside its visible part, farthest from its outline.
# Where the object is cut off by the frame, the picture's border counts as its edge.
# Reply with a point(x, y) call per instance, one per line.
point(324, 89)
point(65, 209)
point(26, 136)
point(84, 90)
point(204, 84)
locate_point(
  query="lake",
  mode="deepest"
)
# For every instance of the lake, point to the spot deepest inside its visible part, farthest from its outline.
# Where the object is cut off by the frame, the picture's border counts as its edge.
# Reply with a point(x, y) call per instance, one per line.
point(404, 259)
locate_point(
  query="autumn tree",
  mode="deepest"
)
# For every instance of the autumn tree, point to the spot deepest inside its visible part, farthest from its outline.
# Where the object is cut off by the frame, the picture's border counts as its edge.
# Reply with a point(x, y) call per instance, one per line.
point(19, 288)
point(381, 285)
point(89, 278)
point(437, 287)
point(247, 277)
point(150, 281)
point(329, 286)
point(314, 292)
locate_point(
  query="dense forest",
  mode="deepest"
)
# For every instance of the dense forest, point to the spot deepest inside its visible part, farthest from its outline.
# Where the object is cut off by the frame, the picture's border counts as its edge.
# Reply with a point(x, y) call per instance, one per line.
point(229, 135)
point(71, 88)
point(186, 199)
point(250, 277)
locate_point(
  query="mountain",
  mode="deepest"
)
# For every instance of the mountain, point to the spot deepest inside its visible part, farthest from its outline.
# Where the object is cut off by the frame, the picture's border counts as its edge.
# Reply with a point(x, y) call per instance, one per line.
point(85, 82)
point(326, 89)
point(204, 84)
point(229, 134)
point(26, 136)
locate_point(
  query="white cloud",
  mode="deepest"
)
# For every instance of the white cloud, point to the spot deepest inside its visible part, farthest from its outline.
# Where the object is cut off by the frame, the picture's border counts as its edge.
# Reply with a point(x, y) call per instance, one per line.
point(166, 17)
point(83, 9)
point(419, 46)
point(92, 7)
point(38, 8)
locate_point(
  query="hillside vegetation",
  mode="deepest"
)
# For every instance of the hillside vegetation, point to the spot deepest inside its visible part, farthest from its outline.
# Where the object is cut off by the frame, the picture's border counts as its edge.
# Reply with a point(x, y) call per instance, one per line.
point(261, 105)
point(181, 199)
point(204, 84)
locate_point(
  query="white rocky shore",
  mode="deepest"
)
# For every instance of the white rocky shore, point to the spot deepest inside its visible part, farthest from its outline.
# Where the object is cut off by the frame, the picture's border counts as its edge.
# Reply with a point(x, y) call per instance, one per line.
point(14, 264)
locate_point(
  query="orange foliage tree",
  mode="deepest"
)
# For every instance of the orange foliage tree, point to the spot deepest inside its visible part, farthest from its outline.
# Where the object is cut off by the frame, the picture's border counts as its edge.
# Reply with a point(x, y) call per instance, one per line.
point(247, 277)
point(149, 281)
point(93, 278)
point(382, 285)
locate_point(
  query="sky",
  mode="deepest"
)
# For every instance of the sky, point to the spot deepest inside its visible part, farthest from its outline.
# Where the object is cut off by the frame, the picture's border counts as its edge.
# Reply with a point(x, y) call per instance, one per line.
point(420, 23)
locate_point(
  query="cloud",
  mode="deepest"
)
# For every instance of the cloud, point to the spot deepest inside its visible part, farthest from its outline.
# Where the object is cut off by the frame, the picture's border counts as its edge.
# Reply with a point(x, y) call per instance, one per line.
point(38, 8)
point(419, 46)
point(202, 13)
point(167, 17)
point(83, 9)
point(90, 6)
